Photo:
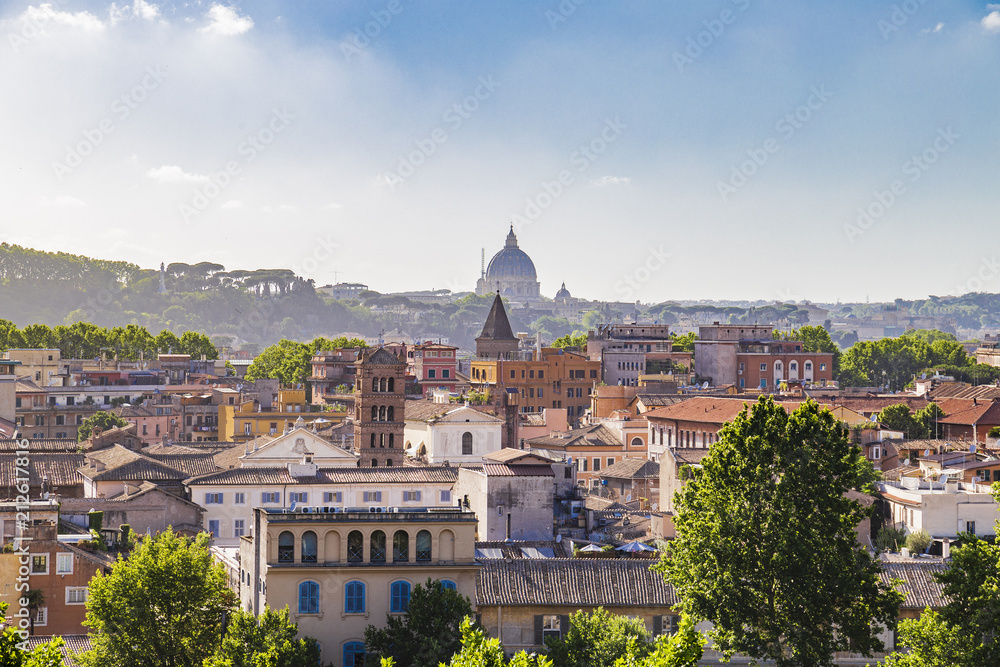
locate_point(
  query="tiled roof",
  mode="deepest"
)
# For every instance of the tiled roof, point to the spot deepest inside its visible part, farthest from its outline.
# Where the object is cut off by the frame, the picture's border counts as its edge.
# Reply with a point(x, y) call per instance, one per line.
point(632, 469)
point(512, 548)
point(73, 644)
point(504, 470)
point(230, 458)
point(189, 464)
point(964, 390)
point(689, 456)
point(126, 411)
point(403, 475)
point(41, 444)
point(572, 582)
point(870, 404)
point(919, 585)
point(380, 357)
point(59, 467)
point(969, 411)
point(596, 435)
point(422, 410)
point(121, 464)
point(509, 454)
point(660, 400)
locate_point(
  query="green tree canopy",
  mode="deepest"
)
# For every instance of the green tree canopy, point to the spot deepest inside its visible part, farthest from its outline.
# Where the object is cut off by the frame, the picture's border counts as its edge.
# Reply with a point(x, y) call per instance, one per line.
point(268, 641)
point(102, 419)
point(575, 339)
point(13, 649)
point(428, 633)
point(599, 640)
point(766, 546)
point(162, 607)
point(479, 650)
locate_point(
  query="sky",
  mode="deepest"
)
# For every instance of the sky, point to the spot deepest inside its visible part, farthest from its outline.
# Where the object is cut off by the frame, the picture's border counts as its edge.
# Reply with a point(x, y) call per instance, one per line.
point(682, 149)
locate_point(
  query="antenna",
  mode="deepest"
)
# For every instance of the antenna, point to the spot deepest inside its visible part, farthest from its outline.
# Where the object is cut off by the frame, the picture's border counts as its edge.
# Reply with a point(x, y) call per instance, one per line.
point(482, 263)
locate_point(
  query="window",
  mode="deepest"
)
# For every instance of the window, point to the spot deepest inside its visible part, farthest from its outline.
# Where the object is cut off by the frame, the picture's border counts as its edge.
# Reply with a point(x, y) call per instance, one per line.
point(354, 654)
point(372, 496)
point(239, 527)
point(423, 546)
point(213, 498)
point(531, 374)
point(270, 497)
point(445, 373)
point(355, 547)
point(239, 498)
point(214, 527)
point(541, 375)
point(431, 373)
point(669, 625)
point(42, 616)
point(308, 547)
point(541, 393)
point(970, 527)
point(354, 597)
point(79, 420)
point(377, 547)
point(611, 460)
point(583, 465)
point(399, 597)
point(333, 496)
point(40, 564)
point(411, 496)
point(822, 367)
point(298, 497)
point(76, 594)
point(60, 420)
point(246, 428)
point(551, 627)
point(512, 375)
point(64, 563)
point(467, 444)
point(446, 496)
point(308, 597)
point(809, 365)
point(448, 583)
point(597, 463)
point(763, 367)
point(400, 547)
point(286, 547)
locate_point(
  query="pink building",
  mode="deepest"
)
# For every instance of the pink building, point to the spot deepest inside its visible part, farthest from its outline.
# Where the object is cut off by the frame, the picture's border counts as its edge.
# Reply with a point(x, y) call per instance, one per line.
point(434, 366)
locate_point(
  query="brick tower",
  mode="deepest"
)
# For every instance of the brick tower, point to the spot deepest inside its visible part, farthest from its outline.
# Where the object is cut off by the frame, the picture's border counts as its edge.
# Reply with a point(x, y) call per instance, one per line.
point(378, 408)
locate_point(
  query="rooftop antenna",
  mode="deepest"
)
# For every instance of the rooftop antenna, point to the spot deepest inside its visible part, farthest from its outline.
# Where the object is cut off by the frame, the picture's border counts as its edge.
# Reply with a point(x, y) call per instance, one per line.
point(482, 263)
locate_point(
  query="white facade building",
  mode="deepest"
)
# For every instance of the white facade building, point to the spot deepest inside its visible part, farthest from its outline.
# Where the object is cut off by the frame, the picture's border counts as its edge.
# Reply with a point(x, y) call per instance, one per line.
point(443, 433)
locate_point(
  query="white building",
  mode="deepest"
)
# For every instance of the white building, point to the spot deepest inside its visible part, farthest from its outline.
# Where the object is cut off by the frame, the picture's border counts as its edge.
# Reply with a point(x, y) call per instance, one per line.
point(229, 496)
point(440, 432)
point(290, 447)
point(943, 510)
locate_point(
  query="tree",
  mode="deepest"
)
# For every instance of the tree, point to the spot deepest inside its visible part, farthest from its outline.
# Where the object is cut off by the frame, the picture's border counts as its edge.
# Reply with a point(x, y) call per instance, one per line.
point(102, 419)
point(267, 641)
point(918, 542)
point(684, 343)
point(430, 632)
point(13, 649)
point(683, 649)
point(196, 345)
point(599, 640)
point(575, 339)
point(479, 650)
point(931, 643)
point(766, 546)
point(163, 607)
point(897, 417)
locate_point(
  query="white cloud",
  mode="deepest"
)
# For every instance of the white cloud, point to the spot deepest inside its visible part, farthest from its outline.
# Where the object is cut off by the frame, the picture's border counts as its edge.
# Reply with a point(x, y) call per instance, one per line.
point(938, 28)
point(138, 9)
point(992, 20)
point(62, 201)
point(171, 173)
point(232, 204)
point(605, 181)
point(225, 21)
point(44, 15)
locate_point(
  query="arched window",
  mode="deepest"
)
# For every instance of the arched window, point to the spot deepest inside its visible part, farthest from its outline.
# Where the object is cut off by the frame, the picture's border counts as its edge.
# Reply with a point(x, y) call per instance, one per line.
point(381, 384)
point(373, 435)
point(809, 365)
point(389, 413)
point(354, 598)
point(388, 463)
point(392, 437)
point(467, 444)
point(448, 583)
point(286, 548)
point(309, 547)
point(374, 384)
point(308, 597)
point(423, 546)
point(400, 547)
point(355, 547)
point(637, 442)
point(381, 413)
point(399, 597)
point(374, 463)
point(374, 412)
point(392, 384)
point(377, 547)
point(354, 654)
point(381, 439)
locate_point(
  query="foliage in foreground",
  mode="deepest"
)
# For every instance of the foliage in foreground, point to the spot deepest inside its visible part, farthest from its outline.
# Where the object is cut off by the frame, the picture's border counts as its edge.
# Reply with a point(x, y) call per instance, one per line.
point(267, 641)
point(766, 546)
point(12, 653)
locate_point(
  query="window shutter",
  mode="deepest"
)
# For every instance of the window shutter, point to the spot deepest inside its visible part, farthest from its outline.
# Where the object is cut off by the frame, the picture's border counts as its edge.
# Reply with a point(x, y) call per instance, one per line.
point(563, 626)
point(538, 630)
point(657, 625)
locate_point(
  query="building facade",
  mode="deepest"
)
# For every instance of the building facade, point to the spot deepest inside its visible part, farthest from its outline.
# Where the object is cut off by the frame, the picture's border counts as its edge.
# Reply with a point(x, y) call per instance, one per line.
point(379, 408)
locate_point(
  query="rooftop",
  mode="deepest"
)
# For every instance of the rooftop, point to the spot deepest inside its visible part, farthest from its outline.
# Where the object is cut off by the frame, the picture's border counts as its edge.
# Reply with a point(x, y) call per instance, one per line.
point(359, 514)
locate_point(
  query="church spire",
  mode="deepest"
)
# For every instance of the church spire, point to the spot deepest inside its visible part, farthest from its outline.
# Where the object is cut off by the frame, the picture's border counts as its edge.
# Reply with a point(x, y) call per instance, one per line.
point(511, 239)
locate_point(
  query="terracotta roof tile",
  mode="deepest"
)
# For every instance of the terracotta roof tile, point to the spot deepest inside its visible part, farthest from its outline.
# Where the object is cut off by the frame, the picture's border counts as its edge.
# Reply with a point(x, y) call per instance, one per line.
point(73, 644)
point(632, 469)
point(59, 467)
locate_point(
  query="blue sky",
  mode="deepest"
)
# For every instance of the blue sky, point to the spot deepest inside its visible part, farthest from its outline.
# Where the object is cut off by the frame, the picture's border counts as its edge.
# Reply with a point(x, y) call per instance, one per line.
point(770, 150)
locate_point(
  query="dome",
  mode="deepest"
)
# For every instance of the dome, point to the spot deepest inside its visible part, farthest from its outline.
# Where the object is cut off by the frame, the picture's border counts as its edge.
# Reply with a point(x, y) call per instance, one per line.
point(563, 293)
point(511, 262)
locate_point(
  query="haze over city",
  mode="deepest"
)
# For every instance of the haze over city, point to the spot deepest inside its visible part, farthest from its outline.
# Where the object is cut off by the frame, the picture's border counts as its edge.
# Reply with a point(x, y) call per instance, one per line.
point(766, 150)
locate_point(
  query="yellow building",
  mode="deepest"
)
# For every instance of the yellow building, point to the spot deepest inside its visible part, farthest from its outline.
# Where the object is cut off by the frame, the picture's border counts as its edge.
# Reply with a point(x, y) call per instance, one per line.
point(246, 421)
point(339, 572)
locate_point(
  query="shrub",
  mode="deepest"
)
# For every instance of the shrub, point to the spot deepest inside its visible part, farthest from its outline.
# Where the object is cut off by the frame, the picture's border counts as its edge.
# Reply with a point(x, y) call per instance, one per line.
point(993, 432)
point(918, 542)
point(890, 538)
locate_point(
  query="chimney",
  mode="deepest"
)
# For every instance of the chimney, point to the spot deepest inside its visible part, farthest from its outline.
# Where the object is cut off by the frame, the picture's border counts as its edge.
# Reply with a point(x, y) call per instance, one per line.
point(946, 548)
